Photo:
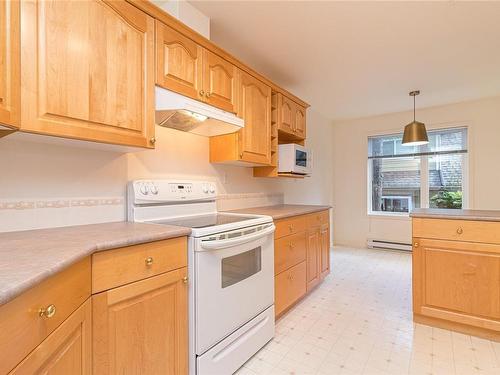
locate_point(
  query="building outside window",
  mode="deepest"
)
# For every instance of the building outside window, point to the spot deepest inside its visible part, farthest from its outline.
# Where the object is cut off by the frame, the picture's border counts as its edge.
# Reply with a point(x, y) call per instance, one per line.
point(401, 178)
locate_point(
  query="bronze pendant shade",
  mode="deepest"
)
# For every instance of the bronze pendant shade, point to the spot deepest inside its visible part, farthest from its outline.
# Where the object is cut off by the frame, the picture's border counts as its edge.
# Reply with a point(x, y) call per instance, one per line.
point(415, 133)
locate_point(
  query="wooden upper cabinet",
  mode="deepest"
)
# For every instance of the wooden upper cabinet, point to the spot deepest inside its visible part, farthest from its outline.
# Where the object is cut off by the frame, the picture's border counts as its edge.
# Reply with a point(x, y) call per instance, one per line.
point(220, 82)
point(255, 109)
point(141, 327)
point(287, 114)
point(9, 64)
point(291, 119)
point(88, 71)
point(300, 121)
point(178, 62)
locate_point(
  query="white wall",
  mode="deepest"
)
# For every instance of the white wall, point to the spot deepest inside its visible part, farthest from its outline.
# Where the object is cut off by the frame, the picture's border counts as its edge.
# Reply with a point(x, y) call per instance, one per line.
point(188, 14)
point(352, 223)
point(44, 184)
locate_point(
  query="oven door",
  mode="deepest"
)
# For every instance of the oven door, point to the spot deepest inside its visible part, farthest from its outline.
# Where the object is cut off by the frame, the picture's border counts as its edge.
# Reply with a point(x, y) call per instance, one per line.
point(234, 281)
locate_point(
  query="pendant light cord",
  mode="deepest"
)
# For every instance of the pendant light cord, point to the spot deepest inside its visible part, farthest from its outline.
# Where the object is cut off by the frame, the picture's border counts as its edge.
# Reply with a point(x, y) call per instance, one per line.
point(413, 108)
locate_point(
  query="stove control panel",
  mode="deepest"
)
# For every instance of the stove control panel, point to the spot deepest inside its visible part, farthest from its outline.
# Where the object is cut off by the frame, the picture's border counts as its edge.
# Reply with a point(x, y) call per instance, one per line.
point(162, 191)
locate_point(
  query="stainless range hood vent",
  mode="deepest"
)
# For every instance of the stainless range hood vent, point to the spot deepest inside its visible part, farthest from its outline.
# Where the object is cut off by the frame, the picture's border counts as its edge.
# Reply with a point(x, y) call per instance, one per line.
point(178, 112)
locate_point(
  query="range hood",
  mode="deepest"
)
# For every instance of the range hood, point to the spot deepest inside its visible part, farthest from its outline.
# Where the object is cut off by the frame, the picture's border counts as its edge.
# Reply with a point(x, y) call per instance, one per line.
point(182, 113)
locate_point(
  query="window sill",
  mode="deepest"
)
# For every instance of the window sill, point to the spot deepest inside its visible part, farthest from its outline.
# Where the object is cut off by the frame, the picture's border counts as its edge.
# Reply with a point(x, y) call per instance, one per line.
point(390, 215)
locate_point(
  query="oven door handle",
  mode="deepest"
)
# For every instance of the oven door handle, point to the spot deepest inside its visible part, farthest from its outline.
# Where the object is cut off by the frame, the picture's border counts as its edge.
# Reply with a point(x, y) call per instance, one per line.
point(223, 244)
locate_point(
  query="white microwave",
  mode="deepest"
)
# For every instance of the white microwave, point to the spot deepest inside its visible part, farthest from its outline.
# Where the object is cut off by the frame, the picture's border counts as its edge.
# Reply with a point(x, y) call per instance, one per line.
point(294, 158)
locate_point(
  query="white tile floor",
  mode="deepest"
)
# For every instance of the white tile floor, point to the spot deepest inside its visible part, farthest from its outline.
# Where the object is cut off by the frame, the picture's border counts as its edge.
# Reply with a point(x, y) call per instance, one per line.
point(359, 321)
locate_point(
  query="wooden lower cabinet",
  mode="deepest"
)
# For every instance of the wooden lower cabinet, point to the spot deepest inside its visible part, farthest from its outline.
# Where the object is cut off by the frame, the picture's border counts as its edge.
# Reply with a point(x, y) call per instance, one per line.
point(313, 258)
point(142, 328)
point(301, 257)
point(324, 240)
point(456, 285)
point(67, 350)
point(290, 286)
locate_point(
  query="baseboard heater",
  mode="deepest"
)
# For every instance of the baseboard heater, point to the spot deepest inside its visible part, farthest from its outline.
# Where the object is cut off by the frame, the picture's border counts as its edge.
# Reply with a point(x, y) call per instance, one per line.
point(381, 244)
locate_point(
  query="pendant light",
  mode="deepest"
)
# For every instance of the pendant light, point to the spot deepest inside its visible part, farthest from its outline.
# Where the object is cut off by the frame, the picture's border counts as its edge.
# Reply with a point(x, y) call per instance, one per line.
point(415, 133)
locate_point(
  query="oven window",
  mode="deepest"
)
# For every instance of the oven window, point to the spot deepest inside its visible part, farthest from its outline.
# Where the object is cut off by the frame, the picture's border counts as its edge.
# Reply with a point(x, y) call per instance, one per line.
point(240, 266)
point(300, 158)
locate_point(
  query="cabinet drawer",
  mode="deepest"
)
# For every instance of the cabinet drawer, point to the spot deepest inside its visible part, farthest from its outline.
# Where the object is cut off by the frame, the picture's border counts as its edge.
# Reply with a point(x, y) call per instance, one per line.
point(457, 230)
point(289, 251)
point(318, 218)
point(117, 267)
point(289, 286)
point(290, 226)
point(21, 323)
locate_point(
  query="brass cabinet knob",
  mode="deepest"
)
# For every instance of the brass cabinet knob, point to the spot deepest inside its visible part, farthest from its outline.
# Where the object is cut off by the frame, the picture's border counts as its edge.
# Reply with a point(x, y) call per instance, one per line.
point(292, 245)
point(149, 261)
point(185, 279)
point(290, 228)
point(1, 99)
point(416, 244)
point(241, 155)
point(202, 93)
point(208, 95)
point(152, 140)
point(460, 230)
point(47, 312)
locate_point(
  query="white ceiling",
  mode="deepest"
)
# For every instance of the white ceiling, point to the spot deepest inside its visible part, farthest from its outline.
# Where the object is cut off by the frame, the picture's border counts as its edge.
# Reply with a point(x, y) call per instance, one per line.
point(354, 59)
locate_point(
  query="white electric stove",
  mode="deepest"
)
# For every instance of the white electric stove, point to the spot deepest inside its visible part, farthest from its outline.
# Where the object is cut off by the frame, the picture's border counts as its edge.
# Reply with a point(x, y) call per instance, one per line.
point(230, 267)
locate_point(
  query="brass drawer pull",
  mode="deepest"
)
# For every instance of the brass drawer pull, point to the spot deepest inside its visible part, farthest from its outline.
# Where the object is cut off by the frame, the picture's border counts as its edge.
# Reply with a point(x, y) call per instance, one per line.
point(149, 261)
point(47, 312)
point(290, 228)
point(185, 279)
point(460, 230)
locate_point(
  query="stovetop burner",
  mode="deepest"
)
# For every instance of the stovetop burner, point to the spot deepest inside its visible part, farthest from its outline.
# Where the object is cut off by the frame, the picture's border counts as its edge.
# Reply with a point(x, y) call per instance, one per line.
point(204, 221)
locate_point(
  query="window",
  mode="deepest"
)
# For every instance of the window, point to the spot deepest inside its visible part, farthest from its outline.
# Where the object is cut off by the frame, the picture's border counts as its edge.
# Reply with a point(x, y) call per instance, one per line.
point(401, 178)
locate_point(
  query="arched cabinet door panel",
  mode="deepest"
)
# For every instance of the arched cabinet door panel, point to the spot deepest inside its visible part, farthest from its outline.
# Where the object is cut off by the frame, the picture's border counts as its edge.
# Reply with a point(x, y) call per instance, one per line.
point(88, 71)
point(220, 82)
point(255, 109)
point(179, 62)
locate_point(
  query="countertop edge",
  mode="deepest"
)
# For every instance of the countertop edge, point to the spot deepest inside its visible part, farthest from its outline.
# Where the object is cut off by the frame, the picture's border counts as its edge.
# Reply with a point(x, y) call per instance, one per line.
point(295, 210)
point(454, 217)
point(11, 293)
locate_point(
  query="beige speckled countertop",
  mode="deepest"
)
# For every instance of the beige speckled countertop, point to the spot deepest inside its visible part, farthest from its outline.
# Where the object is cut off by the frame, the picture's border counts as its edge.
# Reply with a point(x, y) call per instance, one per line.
point(28, 257)
point(439, 213)
point(283, 210)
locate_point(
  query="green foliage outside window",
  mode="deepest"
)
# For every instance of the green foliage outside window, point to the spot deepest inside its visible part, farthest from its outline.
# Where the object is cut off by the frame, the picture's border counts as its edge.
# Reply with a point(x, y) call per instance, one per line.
point(447, 199)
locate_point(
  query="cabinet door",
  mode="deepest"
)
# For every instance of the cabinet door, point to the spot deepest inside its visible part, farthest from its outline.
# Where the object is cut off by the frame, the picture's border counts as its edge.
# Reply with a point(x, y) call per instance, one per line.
point(220, 82)
point(313, 258)
point(9, 64)
point(65, 351)
point(255, 108)
point(300, 121)
point(287, 119)
point(290, 286)
point(88, 71)
point(325, 251)
point(141, 328)
point(178, 62)
point(457, 281)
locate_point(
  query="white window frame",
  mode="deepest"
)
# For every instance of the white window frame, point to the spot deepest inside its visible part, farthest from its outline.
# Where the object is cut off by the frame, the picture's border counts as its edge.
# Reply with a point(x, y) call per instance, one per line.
point(424, 176)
